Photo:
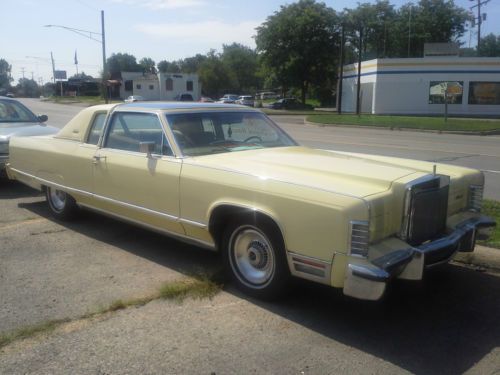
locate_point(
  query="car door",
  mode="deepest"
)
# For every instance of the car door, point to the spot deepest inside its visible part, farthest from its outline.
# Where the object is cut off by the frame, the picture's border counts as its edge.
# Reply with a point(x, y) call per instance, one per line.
point(136, 185)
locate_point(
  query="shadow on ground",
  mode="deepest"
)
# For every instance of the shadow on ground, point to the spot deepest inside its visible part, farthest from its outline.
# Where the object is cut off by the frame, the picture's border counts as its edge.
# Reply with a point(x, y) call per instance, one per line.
point(14, 190)
point(444, 325)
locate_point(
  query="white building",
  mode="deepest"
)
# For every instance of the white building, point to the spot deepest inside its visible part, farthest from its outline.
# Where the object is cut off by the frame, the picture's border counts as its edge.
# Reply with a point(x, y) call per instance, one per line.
point(418, 86)
point(161, 86)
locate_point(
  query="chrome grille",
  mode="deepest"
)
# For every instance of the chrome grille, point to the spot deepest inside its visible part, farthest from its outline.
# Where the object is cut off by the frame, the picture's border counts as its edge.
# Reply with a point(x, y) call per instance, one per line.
point(425, 209)
point(360, 236)
point(475, 200)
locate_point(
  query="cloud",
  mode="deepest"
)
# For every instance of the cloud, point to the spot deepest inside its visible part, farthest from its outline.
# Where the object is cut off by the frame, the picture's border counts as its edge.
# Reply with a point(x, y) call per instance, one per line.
point(204, 31)
point(163, 4)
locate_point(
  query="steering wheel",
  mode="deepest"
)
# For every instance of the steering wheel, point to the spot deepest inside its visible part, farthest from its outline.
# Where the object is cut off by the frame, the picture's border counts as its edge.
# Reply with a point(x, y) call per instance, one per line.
point(259, 139)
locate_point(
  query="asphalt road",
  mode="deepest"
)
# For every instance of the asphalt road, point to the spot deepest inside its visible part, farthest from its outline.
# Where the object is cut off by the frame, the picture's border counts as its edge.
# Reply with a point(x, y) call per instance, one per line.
point(54, 270)
point(481, 152)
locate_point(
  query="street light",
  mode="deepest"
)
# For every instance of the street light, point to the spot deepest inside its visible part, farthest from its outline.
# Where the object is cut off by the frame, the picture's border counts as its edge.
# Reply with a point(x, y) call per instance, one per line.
point(90, 35)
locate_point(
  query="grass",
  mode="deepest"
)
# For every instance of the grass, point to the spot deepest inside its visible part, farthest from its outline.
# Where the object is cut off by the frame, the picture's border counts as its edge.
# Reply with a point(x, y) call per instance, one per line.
point(30, 331)
point(408, 122)
point(491, 208)
point(178, 290)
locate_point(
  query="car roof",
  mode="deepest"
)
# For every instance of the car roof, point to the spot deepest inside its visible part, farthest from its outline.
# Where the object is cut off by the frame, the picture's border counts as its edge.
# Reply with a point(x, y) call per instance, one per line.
point(179, 105)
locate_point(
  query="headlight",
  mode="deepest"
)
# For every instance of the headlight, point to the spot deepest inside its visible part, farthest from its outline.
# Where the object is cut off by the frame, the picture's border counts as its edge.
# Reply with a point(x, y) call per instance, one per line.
point(359, 238)
point(475, 200)
point(4, 148)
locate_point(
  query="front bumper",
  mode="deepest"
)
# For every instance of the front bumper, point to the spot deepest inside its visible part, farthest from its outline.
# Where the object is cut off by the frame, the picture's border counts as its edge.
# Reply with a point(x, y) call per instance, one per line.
point(3, 161)
point(369, 280)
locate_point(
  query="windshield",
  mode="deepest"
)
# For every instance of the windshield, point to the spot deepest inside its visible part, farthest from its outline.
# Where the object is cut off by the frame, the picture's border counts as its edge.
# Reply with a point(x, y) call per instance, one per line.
point(216, 132)
point(12, 111)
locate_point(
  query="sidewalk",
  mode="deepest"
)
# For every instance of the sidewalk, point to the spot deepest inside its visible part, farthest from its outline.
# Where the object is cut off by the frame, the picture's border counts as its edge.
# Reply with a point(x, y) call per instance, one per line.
point(482, 256)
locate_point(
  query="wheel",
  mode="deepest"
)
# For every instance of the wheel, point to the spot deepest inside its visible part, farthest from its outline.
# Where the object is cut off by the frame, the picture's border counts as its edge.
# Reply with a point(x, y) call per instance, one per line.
point(254, 256)
point(61, 204)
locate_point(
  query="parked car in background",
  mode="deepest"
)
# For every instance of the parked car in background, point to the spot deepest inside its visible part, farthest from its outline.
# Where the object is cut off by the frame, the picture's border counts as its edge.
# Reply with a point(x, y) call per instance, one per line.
point(16, 119)
point(229, 179)
point(9, 95)
point(289, 103)
point(184, 98)
point(228, 99)
point(266, 95)
point(245, 100)
point(206, 99)
point(134, 98)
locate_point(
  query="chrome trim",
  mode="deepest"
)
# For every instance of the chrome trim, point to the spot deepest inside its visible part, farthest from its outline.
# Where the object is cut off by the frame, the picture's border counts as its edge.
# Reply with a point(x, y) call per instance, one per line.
point(368, 280)
point(475, 198)
point(364, 282)
point(249, 208)
point(309, 268)
point(193, 223)
point(352, 242)
point(181, 237)
point(128, 205)
point(53, 184)
point(405, 221)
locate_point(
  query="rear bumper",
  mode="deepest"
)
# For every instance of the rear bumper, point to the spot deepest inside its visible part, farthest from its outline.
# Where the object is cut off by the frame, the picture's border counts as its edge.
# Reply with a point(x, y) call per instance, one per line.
point(369, 280)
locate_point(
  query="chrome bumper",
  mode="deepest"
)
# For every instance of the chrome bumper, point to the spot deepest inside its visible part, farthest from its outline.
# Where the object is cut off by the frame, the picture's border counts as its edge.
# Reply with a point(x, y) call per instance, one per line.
point(369, 280)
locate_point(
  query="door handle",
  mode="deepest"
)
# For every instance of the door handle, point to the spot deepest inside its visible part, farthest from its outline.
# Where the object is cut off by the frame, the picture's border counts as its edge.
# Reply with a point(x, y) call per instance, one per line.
point(98, 158)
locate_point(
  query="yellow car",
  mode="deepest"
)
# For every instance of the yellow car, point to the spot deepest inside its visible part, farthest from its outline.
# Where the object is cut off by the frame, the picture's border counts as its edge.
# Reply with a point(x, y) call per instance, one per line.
point(226, 178)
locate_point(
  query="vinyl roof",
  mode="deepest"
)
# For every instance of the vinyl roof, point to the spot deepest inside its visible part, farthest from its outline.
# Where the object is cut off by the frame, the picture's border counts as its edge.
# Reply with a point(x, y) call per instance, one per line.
point(181, 105)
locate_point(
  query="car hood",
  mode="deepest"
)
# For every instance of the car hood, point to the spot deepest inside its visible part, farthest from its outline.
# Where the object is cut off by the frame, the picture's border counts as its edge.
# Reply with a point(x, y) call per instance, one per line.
point(355, 175)
point(23, 129)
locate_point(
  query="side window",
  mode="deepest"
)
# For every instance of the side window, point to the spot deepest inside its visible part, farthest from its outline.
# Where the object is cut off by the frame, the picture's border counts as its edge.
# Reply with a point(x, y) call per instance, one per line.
point(128, 130)
point(96, 128)
point(189, 86)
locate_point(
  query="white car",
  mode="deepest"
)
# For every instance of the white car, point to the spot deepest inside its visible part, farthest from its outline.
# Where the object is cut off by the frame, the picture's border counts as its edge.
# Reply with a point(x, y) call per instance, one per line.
point(245, 100)
point(228, 99)
point(134, 98)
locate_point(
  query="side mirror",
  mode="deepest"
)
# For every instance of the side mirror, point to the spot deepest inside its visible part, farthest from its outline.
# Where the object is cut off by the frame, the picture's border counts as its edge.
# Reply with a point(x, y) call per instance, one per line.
point(147, 147)
point(42, 118)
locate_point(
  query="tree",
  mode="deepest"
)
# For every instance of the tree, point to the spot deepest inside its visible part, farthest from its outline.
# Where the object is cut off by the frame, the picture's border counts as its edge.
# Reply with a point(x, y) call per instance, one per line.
point(165, 66)
point(299, 43)
point(214, 76)
point(82, 76)
point(192, 64)
point(5, 77)
point(148, 65)
point(242, 63)
point(122, 62)
point(432, 21)
point(27, 88)
point(490, 46)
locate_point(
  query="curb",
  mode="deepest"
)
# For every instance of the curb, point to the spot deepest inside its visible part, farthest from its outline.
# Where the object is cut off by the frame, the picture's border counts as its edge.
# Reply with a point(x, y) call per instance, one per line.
point(394, 128)
point(482, 256)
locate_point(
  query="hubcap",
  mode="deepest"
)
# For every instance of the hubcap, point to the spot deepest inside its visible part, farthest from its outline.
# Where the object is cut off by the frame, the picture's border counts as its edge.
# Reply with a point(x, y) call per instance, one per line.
point(252, 257)
point(58, 199)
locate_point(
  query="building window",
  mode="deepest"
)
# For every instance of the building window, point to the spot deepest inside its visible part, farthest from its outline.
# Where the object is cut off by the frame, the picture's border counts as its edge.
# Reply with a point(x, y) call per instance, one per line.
point(438, 90)
point(189, 85)
point(484, 93)
point(129, 85)
point(138, 86)
point(169, 84)
point(151, 87)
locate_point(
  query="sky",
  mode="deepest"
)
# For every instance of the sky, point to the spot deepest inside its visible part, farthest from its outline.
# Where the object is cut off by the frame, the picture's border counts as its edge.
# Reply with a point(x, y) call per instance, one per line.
point(160, 29)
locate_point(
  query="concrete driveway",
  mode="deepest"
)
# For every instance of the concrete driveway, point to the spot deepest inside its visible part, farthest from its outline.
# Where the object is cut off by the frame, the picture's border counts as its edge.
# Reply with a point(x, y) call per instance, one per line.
point(51, 270)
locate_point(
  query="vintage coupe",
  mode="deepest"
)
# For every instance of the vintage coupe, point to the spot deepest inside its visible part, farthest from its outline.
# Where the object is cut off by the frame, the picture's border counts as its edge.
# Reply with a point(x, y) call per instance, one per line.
point(227, 178)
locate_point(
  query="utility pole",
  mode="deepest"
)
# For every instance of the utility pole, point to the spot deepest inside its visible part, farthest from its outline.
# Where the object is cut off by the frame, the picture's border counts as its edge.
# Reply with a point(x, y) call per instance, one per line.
point(53, 67)
point(104, 70)
point(341, 75)
point(479, 20)
point(32, 76)
point(358, 88)
point(409, 30)
point(22, 71)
